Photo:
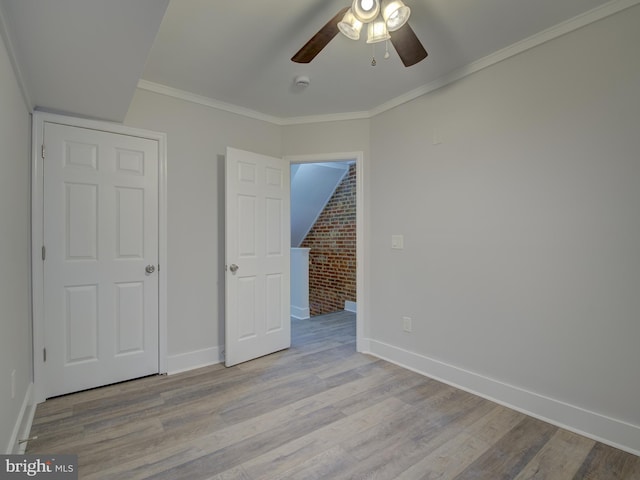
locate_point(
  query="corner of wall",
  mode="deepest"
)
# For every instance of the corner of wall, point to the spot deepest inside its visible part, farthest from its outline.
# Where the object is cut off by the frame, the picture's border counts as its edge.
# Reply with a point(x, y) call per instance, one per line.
point(6, 39)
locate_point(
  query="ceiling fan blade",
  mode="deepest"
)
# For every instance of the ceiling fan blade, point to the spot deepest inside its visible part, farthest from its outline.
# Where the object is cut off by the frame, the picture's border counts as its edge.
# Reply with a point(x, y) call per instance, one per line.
point(320, 40)
point(408, 46)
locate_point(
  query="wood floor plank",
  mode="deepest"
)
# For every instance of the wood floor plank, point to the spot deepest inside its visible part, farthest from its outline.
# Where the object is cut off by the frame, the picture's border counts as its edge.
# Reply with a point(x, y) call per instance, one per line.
point(233, 455)
point(607, 462)
point(559, 459)
point(236, 473)
point(457, 453)
point(392, 454)
point(328, 464)
point(512, 452)
point(318, 410)
point(277, 461)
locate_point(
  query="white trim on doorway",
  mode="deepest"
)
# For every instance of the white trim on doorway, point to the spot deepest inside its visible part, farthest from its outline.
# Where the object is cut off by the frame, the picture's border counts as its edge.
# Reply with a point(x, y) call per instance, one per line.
point(37, 218)
point(361, 292)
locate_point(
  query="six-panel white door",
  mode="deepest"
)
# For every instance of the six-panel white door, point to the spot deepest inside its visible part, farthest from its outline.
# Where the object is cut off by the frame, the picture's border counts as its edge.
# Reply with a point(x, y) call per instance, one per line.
point(258, 243)
point(100, 234)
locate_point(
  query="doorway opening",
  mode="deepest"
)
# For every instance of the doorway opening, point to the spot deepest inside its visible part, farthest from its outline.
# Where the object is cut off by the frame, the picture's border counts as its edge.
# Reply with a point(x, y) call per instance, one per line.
point(323, 237)
point(331, 235)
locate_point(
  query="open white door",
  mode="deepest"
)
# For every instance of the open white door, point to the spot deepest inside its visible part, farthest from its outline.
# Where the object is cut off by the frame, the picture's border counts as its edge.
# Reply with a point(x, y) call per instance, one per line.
point(257, 266)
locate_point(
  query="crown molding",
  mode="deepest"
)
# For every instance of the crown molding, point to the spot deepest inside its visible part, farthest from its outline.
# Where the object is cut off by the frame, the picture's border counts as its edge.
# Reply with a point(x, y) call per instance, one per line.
point(598, 13)
point(206, 101)
point(332, 117)
point(228, 107)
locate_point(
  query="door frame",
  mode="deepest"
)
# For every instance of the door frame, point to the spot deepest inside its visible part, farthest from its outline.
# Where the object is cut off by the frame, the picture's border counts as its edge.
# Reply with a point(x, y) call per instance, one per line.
point(362, 301)
point(37, 235)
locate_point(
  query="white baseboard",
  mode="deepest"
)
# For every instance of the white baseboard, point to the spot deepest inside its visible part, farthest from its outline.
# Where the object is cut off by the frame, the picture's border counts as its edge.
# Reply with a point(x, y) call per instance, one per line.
point(363, 345)
point(610, 431)
point(196, 359)
point(23, 423)
point(300, 313)
point(350, 306)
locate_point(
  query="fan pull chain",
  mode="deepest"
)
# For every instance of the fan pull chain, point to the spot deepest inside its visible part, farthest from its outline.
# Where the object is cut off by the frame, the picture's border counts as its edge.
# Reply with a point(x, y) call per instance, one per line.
point(373, 54)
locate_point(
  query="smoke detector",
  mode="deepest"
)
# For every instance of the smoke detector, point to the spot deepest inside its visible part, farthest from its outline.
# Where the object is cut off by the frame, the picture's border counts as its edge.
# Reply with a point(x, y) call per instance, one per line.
point(302, 81)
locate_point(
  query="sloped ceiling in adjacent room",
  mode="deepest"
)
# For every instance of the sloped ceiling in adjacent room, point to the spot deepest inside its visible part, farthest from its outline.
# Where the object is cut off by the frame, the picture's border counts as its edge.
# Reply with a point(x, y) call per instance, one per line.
point(312, 185)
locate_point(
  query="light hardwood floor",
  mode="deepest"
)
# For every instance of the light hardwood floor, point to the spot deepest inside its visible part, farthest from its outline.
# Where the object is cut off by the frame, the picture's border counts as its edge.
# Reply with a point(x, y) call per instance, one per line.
point(317, 410)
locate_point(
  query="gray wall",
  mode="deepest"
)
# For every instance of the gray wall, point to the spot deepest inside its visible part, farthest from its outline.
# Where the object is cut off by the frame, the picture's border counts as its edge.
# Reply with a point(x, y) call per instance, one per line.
point(522, 228)
point(15, 250)
point(326, 137)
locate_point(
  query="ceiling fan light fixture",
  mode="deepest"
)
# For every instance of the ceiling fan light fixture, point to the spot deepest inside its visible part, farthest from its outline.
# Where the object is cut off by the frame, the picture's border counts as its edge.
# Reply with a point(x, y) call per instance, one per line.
point(395, 14)
point(350, 26)
point(365, 10)
point(377, 32)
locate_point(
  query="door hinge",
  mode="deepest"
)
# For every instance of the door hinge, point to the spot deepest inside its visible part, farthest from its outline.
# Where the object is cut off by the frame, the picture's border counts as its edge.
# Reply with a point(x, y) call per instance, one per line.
point(44, 253)
point(44, 354)
point(42, 153)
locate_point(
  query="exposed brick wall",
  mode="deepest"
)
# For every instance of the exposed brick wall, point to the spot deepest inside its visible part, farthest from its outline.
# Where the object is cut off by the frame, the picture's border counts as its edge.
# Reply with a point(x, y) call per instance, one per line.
point(332, 258)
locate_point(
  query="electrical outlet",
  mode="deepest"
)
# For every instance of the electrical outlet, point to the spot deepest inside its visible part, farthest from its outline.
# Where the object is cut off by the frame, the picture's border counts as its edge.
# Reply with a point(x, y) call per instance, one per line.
point(407, 324)
point(13, 384)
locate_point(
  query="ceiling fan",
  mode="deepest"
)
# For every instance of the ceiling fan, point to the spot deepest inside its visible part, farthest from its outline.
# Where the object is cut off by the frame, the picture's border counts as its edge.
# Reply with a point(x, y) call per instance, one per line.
point(385, 20)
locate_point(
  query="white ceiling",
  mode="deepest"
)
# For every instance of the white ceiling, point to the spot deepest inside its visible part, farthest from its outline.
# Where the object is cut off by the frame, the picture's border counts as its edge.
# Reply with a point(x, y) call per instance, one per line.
point(80, 56)
point(86, 56)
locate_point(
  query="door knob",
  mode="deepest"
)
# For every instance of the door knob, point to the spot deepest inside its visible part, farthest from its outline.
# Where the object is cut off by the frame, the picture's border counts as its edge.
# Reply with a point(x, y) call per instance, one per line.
point(233, 267)
point(150, 269)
